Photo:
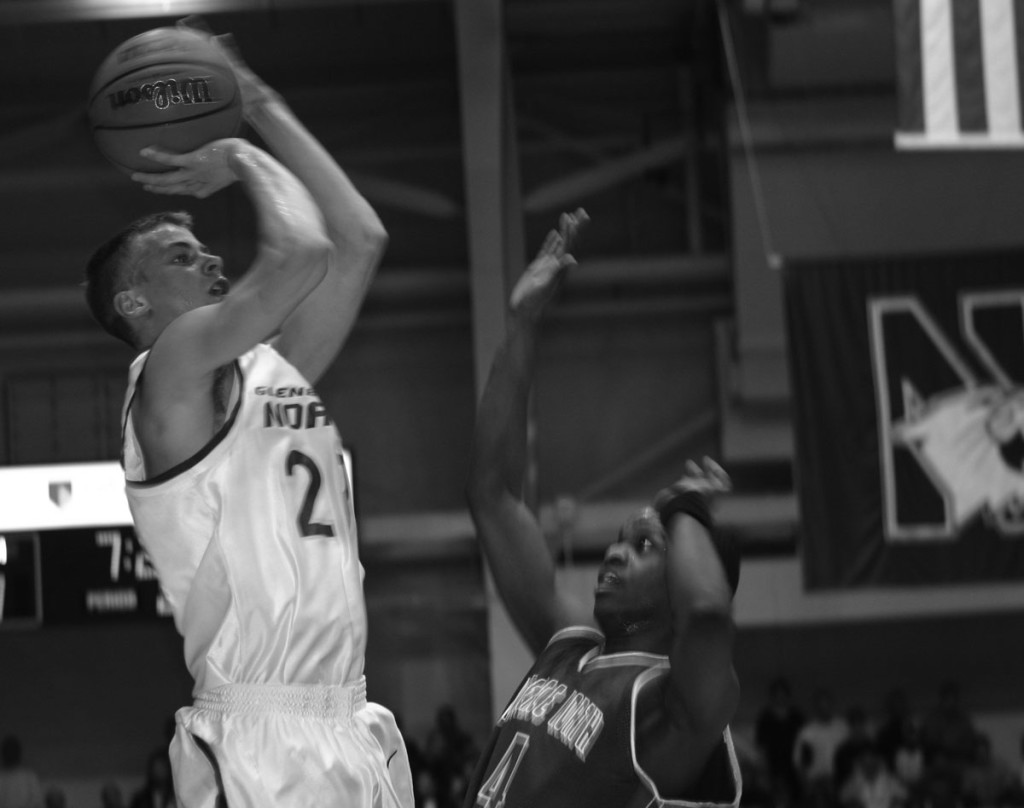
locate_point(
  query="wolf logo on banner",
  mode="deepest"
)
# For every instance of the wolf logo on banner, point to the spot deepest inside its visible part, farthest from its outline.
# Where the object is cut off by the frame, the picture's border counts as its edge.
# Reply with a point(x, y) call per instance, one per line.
point(950, 415)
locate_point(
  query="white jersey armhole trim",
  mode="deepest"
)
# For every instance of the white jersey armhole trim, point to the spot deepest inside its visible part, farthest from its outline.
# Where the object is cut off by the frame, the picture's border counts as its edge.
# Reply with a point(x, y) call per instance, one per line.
point(624, 658)
point(648, 782)
point(576, 632)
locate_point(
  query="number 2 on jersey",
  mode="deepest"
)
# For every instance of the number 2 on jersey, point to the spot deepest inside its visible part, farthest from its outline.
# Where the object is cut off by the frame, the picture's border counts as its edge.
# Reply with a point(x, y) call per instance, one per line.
point(306, 526)
point(494, 791)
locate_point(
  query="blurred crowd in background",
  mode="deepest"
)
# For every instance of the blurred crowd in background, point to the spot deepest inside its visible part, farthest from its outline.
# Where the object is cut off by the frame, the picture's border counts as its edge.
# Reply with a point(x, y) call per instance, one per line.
point(905, 757)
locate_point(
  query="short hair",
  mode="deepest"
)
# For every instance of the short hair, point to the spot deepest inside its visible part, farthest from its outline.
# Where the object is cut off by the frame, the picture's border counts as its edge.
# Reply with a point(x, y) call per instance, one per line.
point(107, 273)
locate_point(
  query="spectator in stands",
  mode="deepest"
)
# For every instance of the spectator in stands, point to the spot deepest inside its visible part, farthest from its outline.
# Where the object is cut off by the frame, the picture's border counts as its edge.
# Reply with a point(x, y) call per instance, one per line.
point(948, 728)
point(158, 790)
point(55, 798)
point(449, 748)
point(111, 795)
point(1015, 797)
point(19, 784)
point(941, 787)
point(775, 731)
point(757, 785)
point(891, 730)
point(987, 780)
point(849, 752)
point(871, 784)
point(908, 761)
point(460, 781)
point(425, 790)
point(1020, 775)
point(815, 749)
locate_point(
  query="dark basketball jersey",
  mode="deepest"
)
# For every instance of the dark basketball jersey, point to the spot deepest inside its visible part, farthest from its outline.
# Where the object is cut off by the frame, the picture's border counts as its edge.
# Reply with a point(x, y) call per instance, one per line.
point(568, 736)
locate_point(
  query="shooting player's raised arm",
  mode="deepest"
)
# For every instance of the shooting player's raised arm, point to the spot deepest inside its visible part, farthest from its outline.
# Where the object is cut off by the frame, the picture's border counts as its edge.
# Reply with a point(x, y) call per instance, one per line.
point(312, 336)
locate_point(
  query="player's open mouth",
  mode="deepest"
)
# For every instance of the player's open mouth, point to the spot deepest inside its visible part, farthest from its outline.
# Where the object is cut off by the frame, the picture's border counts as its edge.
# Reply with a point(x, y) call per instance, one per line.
point(220, 287)
point(607, 579)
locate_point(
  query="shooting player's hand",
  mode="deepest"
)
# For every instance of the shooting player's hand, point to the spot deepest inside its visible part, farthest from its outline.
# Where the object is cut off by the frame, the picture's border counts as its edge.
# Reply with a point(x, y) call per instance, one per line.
point(199, 173)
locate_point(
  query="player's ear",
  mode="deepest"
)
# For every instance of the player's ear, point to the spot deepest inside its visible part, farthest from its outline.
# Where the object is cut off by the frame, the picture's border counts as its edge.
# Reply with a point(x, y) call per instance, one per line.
point(130, 304)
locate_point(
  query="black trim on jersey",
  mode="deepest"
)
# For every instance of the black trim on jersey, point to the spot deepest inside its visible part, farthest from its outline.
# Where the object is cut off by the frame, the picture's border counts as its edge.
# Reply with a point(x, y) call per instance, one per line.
point(188, 463)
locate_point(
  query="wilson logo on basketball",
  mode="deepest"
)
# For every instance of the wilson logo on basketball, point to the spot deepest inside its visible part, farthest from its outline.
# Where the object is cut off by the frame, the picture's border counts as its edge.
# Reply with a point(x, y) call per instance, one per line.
point(165, 94)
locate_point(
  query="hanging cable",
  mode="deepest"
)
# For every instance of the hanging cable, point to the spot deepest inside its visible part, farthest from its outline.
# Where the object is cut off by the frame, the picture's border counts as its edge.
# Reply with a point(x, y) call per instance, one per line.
point(773, 259)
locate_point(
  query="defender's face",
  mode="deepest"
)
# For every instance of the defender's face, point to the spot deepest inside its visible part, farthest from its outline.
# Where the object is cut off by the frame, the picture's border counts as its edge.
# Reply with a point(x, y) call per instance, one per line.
point(175, 272)
point(631, 583)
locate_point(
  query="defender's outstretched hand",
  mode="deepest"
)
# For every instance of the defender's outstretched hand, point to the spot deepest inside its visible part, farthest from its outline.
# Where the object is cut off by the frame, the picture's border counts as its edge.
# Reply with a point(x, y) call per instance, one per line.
point(708, 480)
point(708, 477)
point(538, 283)
point(200, 173)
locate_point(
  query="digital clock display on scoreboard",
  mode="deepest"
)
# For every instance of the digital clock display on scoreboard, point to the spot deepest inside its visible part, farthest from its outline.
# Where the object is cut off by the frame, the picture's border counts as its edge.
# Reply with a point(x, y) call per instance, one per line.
point(97, 574)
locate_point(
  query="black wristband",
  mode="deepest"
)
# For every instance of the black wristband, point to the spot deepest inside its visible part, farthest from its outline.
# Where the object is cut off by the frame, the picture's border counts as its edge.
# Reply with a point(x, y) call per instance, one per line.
point(692, 503)
point(697, 506)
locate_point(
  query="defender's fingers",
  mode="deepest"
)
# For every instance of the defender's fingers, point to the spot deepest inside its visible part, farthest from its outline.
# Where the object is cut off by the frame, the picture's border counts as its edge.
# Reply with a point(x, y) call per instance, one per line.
point(553, 244)
point(712, 467)
point(716, 472)
point(567, 225)
point(577, 218)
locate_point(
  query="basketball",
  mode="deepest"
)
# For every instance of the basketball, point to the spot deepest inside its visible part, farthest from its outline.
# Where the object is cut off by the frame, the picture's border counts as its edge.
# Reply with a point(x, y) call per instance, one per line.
point(167, 87)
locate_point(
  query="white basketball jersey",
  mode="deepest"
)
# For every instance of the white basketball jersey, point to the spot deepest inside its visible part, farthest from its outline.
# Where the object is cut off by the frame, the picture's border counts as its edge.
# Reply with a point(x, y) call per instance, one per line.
point(254, 538)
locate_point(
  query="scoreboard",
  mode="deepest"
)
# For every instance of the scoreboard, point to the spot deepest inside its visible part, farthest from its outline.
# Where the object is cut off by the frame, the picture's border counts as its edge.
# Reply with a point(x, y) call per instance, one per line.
point(97, 573)
point(68, 551)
